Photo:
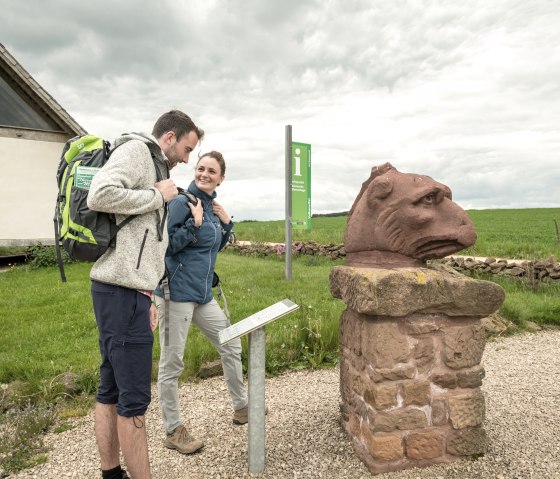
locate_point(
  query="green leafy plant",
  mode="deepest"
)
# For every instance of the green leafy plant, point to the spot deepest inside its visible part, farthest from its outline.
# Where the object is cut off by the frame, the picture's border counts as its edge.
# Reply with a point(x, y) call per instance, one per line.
point(21, 440)
point(44, 256)
point(313, 346)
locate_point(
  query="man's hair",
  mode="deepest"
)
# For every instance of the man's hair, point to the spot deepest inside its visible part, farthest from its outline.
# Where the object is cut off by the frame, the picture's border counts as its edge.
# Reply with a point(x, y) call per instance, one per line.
point(178, 122)
point(218, 157)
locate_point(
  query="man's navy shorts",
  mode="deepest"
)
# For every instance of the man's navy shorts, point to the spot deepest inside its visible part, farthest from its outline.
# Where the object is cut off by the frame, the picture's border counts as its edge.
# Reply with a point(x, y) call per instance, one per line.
point(125, 343)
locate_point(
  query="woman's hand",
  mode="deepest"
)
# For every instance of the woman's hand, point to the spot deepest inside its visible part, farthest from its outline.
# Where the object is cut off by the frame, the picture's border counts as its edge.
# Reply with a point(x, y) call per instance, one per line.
point(197, 212)
point(221, 213)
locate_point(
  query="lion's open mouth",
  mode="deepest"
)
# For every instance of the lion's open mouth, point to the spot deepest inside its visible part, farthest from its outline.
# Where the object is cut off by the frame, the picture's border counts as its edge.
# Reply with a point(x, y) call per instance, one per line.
point(437, 248)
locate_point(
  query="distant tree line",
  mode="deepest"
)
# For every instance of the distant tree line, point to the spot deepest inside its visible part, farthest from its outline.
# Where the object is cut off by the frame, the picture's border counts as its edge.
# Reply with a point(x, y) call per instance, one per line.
point(314, 215)
point(328, 215)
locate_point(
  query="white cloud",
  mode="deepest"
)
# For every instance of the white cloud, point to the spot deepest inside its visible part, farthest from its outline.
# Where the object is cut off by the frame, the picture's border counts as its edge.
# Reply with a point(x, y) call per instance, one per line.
point(464, 92)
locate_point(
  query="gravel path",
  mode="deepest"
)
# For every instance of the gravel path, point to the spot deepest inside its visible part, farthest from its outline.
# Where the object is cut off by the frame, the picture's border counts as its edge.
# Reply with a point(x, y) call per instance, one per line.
point(304, 439)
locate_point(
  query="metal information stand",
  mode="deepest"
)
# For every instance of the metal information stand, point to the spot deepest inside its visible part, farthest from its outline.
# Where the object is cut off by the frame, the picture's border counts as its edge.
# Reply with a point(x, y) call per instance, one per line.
point(254, 326)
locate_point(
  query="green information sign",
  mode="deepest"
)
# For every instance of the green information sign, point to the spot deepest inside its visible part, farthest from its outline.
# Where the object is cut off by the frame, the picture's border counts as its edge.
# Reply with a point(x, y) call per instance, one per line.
point(84, 175)
point(301, 186)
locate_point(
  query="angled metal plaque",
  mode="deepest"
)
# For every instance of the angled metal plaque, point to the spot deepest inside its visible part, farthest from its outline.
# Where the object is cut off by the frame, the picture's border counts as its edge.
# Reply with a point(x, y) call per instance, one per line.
point(257, 320)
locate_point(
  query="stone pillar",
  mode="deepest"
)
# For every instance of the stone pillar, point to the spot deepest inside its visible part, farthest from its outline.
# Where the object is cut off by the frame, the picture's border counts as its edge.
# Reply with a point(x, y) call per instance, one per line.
point(411, 344)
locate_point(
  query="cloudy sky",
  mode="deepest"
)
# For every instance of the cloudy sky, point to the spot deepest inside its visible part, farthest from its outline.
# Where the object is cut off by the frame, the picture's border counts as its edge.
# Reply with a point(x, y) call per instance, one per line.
point(466, 92)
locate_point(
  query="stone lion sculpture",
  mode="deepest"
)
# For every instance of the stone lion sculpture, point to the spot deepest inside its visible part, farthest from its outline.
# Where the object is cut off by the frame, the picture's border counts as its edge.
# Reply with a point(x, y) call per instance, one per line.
point(403, 219)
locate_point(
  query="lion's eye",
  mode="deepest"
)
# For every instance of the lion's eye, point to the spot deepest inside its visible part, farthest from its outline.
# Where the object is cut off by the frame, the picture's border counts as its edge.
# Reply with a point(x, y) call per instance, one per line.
point(429, 199)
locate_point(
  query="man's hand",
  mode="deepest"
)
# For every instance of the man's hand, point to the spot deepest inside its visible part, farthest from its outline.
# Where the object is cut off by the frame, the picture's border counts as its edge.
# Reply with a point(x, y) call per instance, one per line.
point(167, 188)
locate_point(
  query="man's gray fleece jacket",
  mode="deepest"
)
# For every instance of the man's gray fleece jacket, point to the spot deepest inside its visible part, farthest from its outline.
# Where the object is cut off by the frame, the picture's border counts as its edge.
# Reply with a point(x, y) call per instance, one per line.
point(125, 186)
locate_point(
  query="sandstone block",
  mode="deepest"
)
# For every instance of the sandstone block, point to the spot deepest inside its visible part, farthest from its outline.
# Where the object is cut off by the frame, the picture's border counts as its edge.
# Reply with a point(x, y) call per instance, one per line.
point(345, 378)
point(385, 448)
point(402, 371)
point(350, 379)
point(439, 412)
point(421, 323)
point(467, 442)
point(463, 346)
point(403, 291)
point(466, 410)
point(472, 378)
point(416, 392)
point(424, 353)
point(360, 384)
point(373, 373)
point(406, 419)
point(344, 411)
point(446, 380)
point(353, 424)
point(350, 332)
point(424, 445)
point(383, 344)
point(381, 422)
point(494, 324)
point(381, 396)
point(210, 369)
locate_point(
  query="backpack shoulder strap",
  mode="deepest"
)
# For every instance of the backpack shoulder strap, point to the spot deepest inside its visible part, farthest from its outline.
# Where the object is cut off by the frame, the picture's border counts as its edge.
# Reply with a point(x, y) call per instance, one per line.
point(159, 177)
point(188, 195)
point(216, 282)
point(160, 223)
point(57, 243)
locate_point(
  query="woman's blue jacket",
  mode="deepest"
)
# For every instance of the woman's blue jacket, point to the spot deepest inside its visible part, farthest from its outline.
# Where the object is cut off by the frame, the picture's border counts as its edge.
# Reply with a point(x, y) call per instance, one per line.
point(191, 254)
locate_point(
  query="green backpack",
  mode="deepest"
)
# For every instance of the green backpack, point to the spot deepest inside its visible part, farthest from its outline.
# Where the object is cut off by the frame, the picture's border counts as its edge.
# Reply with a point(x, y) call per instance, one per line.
point(83, 233)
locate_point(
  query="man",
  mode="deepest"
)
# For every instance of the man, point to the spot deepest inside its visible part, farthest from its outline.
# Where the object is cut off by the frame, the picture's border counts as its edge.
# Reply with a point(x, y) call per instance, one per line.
point(123, 280)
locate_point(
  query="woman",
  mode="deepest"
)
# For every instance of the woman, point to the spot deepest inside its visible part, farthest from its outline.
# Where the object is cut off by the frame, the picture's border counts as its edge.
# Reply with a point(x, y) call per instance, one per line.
point(198, 229)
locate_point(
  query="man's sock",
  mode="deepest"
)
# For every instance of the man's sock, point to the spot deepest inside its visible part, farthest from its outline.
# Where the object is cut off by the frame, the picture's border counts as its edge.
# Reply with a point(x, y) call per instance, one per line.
point(115, 473)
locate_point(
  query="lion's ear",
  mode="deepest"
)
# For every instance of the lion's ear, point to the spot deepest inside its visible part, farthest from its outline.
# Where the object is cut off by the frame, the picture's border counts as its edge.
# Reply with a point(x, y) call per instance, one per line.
point(380, 188)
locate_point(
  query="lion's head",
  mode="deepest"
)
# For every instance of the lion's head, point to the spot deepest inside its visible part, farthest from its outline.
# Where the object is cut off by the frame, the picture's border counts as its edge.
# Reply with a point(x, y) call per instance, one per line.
point(403, 219)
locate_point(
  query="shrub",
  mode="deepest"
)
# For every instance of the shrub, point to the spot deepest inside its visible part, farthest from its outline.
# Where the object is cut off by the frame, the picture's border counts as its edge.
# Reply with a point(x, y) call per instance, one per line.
point(43, 256)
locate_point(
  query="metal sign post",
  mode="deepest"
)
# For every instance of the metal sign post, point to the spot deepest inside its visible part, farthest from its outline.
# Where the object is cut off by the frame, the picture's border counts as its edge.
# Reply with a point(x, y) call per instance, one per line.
point(255, 326)
point(288, 239)
point(256, 449)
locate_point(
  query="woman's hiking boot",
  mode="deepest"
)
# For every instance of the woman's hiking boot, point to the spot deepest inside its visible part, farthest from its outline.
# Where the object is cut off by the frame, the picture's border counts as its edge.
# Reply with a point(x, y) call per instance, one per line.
point(182, 441)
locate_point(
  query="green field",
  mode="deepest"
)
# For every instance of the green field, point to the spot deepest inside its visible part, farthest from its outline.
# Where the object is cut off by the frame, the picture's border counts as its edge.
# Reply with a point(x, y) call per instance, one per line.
point(326, 230)
point(523, 233)
point(526, 233)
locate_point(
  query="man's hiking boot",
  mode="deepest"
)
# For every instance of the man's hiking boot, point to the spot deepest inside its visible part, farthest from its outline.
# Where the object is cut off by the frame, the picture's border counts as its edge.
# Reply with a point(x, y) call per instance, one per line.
point(241, 416)
point(182, 441)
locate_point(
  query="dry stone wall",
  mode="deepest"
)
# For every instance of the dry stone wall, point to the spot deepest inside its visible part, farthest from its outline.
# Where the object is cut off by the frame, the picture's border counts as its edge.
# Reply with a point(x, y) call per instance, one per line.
point(539, 270)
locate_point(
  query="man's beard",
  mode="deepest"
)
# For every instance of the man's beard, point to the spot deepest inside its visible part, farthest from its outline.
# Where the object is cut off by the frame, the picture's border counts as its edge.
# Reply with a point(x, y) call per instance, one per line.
point(173, 155)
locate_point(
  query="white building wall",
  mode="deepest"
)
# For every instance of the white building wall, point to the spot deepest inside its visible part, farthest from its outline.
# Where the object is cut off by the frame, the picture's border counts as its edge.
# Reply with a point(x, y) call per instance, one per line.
point(27, 190)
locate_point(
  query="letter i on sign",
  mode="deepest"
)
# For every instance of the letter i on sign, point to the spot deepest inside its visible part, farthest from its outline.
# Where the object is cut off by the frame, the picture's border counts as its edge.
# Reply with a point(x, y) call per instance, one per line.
point(298, 162)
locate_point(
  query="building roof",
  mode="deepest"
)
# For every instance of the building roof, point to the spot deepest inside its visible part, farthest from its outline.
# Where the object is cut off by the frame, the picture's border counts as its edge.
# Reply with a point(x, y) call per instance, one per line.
point(36, 95)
